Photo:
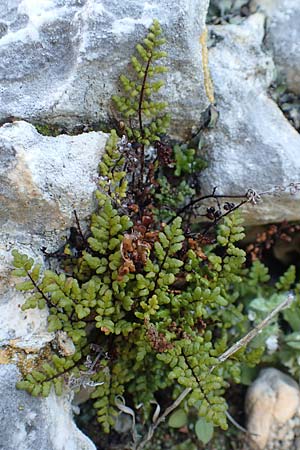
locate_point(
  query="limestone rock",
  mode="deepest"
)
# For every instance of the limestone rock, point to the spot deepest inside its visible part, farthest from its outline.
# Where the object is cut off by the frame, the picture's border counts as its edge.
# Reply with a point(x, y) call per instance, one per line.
point(42, 179)
point(272, 407)
point(252, 145)
point(29, 423)
point(283, 38)
point(61, 59)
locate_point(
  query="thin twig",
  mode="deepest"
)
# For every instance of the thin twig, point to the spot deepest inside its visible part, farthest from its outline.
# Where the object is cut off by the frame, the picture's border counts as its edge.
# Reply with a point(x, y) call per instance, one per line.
point(251, 196)
point(255, 331)
point(206, 197)
point(141, 99)
point(216, 221)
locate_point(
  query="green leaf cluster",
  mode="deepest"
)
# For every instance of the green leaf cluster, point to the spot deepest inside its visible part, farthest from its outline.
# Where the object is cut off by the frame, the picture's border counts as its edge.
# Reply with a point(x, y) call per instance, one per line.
point(187, 161)
point(177, 191)
point(112, 183)
point(145, 116)
point(282, 336)
point(161, 336)
point(50, 374)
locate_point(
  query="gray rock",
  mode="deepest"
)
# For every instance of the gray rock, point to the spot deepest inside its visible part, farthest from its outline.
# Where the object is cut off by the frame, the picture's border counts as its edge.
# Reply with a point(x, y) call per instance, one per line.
point(61, 59)
point(226, 7)
point(283, 38)
point(252, 145)
point(23, 330)
point(29, 423)
point(42, 179)
point(272, 406)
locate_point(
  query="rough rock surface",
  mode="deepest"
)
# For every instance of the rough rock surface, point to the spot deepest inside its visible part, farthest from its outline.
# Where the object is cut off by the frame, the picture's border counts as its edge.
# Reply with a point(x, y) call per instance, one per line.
point(29, 423)
point(283, 38)
point(61, 59)
point(42, 179)
point(252, 145)
point(273, 410)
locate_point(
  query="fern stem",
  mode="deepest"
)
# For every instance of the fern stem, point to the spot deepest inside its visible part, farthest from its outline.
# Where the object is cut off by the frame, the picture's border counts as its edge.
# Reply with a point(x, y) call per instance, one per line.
point(48, 301)
point(141, 99)
point(142, 95)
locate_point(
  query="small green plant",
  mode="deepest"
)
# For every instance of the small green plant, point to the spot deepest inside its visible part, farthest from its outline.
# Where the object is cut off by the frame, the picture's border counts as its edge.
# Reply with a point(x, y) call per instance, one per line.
point(144, 319)
point(146, 307)
point(282, 337)
point(145, 117)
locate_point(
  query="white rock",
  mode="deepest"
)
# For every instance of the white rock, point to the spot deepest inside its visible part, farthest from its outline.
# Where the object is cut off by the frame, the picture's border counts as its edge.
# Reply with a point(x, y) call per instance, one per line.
point(65, 344)
point(61, 59)
point(29, 423)
point(252, 145)
point(283, 37)
point(271, 401)
point(42, 179)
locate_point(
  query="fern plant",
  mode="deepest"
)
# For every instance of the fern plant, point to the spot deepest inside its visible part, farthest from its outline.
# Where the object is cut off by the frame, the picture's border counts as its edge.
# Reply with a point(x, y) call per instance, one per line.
point(144, 308)
point(145, 118)
point(155, 334)
point(146, 321)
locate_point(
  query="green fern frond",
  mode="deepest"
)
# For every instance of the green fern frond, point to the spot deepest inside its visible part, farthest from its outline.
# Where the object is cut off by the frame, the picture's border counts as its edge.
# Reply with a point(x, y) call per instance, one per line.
point(145, 117)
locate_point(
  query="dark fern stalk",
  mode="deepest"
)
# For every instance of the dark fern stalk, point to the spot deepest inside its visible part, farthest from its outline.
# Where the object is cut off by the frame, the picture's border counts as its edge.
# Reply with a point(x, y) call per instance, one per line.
point(145, 117)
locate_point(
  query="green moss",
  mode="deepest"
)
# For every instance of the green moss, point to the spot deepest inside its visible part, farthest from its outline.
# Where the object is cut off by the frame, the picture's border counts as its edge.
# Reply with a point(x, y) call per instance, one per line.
point(55, 130)
point(48, 130)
